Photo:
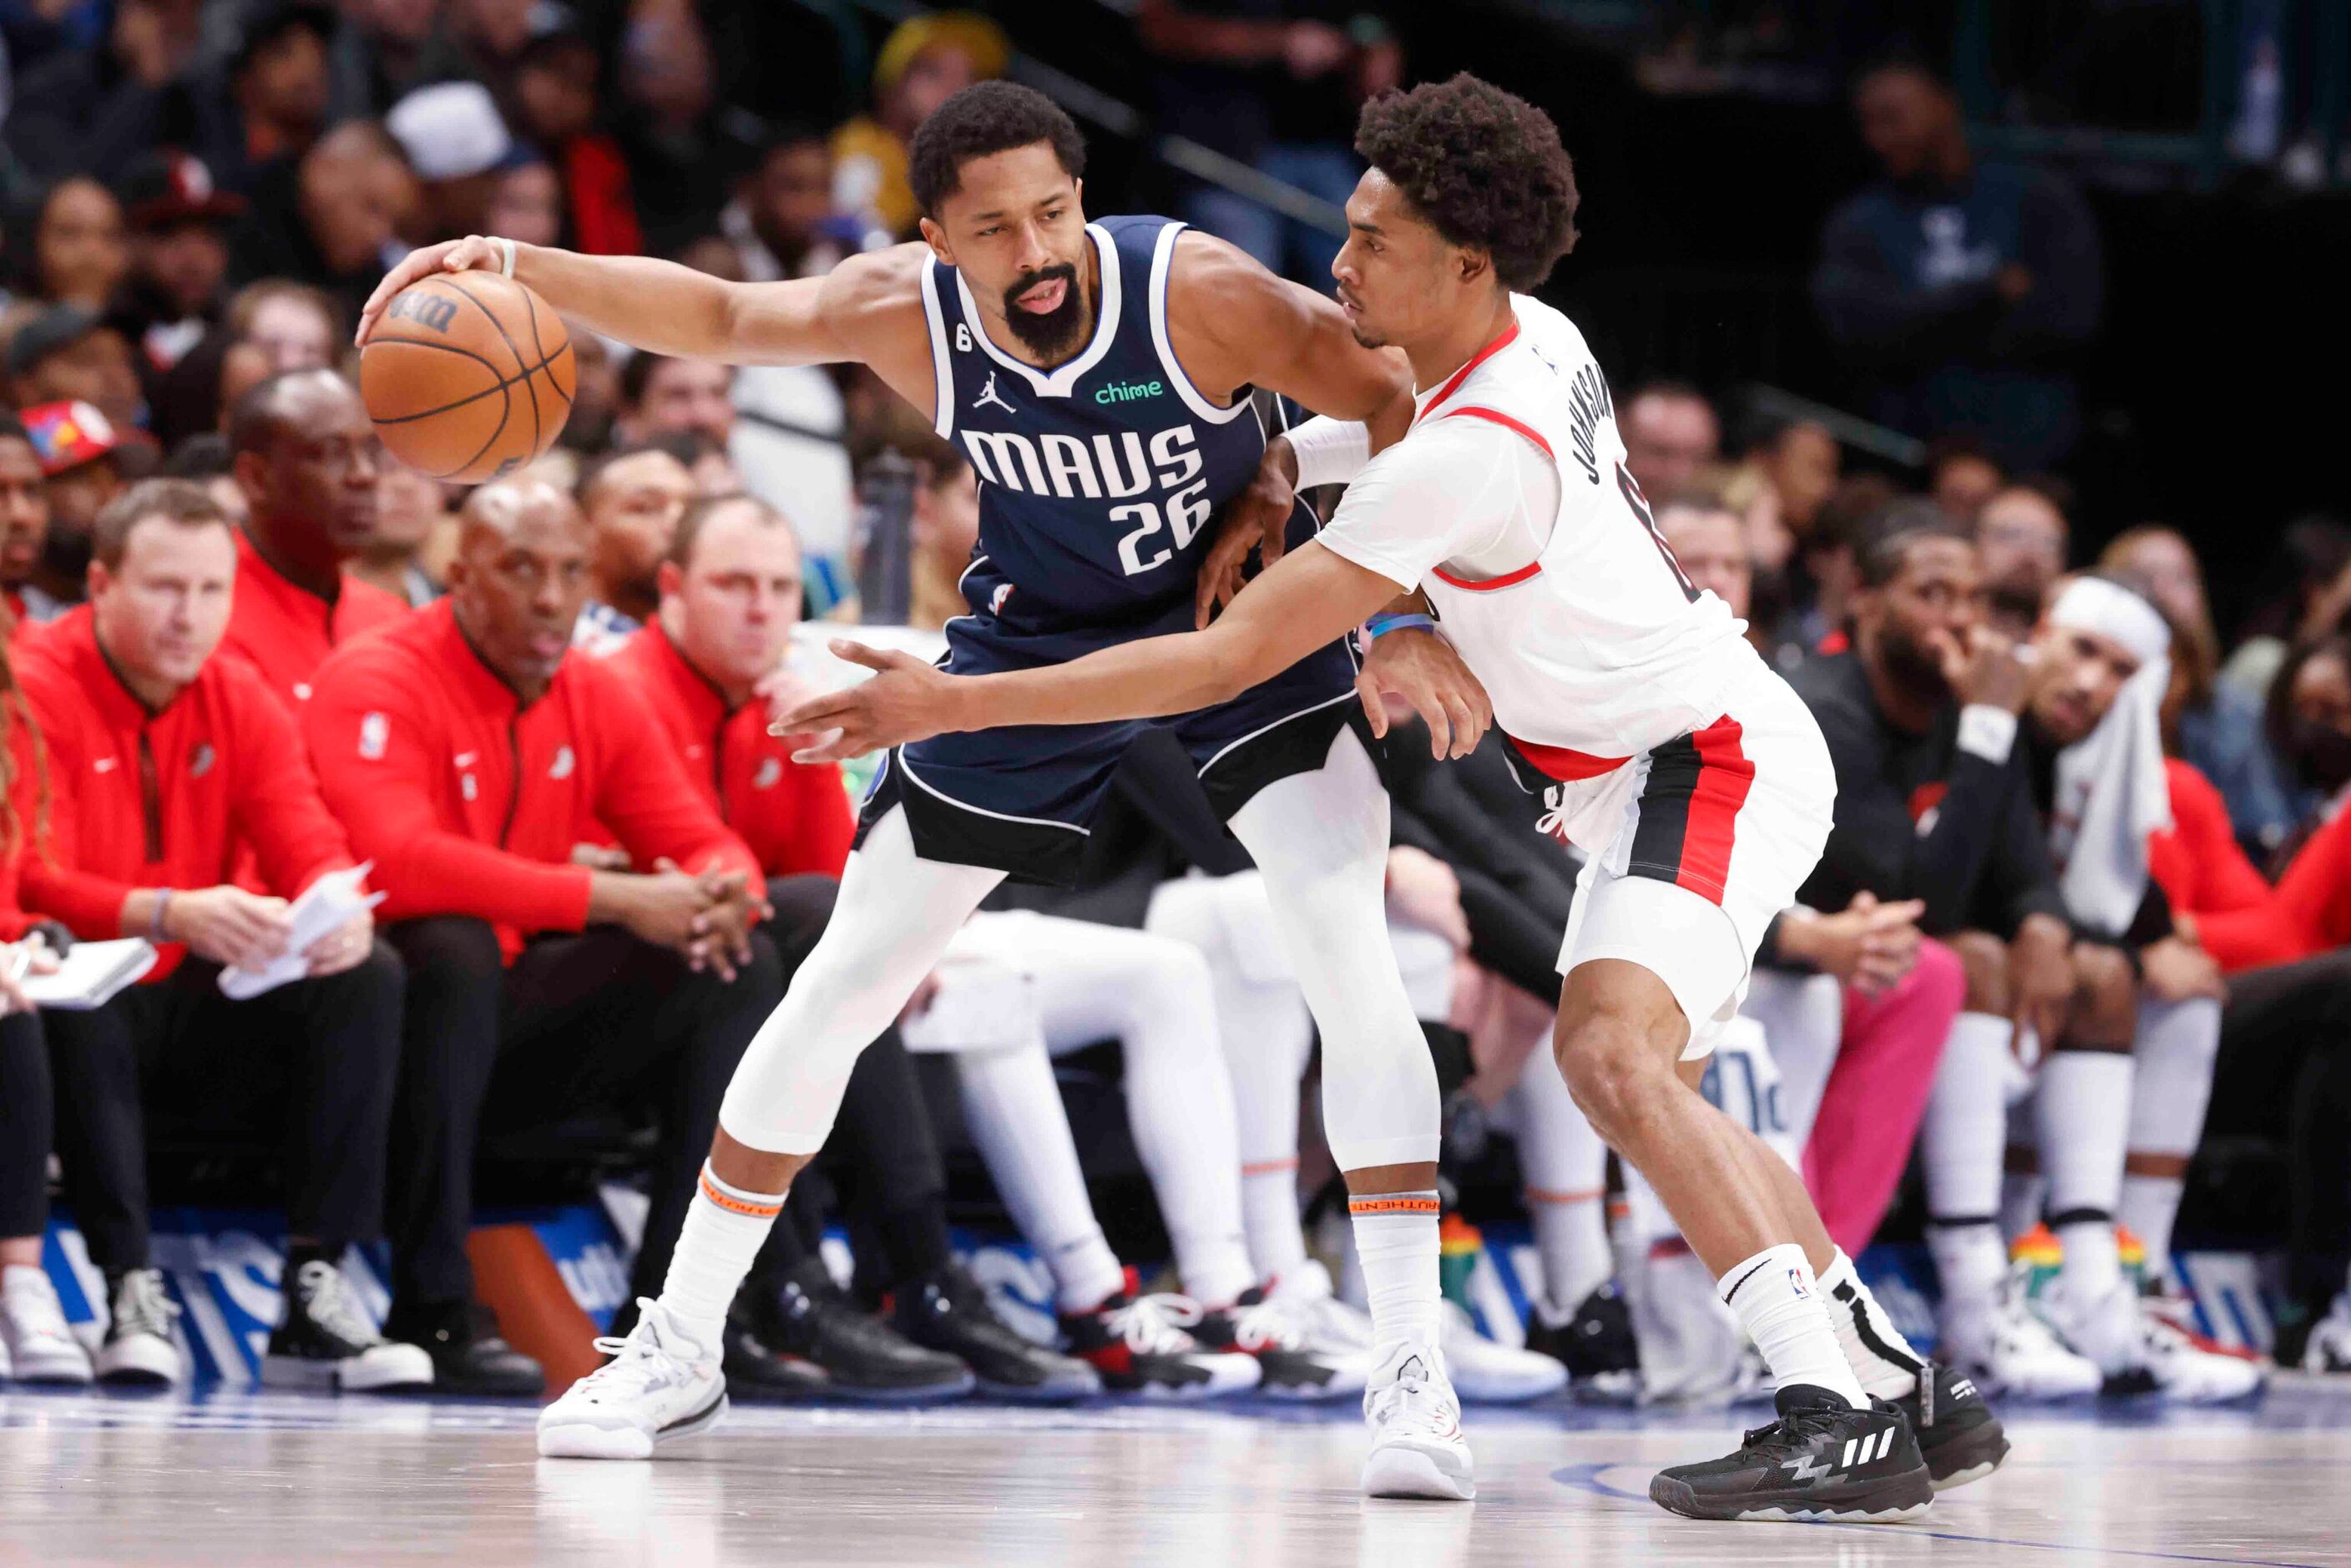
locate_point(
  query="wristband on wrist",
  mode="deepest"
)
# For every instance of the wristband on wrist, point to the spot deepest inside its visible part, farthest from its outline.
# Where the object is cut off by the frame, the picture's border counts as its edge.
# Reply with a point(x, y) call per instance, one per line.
point(155, 919)
point(507, 251)
point(1387, 621)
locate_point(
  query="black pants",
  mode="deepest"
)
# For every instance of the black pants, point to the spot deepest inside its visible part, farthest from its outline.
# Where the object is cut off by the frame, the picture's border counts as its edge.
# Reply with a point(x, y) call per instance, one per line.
point(2284, 1073)
point(26, 1127)
point(315, 1059)
point(577, 1022)
point(882, 1158)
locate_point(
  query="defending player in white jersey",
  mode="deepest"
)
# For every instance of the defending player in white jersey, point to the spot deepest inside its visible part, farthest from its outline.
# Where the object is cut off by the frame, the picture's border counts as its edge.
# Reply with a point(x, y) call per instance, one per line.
point(1694, 778)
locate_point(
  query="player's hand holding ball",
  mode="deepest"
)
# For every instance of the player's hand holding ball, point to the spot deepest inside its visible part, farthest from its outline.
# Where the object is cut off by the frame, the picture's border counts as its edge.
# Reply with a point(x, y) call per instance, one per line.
point(467, 373)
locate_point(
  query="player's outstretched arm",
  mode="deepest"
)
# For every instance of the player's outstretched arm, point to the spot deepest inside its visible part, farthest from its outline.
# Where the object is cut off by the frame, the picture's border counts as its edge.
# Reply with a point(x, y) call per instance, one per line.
point(1309, 598)
point(672, 309)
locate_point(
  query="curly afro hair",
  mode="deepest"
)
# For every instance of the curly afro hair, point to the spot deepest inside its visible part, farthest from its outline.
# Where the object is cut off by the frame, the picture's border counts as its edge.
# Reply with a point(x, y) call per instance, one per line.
point(987, 118)
point(1483, 166)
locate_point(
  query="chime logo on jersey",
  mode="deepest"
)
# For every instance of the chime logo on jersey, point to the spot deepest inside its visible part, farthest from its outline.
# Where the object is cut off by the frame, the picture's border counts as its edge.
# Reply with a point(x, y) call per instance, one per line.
point(1103, 468)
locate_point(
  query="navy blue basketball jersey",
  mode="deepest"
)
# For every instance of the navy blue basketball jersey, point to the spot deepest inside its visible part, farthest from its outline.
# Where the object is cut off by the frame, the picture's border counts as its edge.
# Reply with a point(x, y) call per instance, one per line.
point(1098, 478)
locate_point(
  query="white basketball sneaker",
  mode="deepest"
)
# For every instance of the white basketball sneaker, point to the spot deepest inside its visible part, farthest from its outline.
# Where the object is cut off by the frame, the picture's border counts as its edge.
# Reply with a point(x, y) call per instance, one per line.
point(1417, 1448)
point(2328, 1349)
point(2007, 1349)
point(36, 1346)
point(659, 1386)
point(2140, 1352)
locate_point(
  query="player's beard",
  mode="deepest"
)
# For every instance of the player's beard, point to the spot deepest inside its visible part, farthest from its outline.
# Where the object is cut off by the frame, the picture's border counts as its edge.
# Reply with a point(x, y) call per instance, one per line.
point(1057, 328)
point(1913, 666)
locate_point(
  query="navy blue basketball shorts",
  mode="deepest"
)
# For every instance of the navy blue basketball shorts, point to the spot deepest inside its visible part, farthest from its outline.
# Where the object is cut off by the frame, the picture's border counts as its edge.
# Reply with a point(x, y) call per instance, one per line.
point(1021, 799)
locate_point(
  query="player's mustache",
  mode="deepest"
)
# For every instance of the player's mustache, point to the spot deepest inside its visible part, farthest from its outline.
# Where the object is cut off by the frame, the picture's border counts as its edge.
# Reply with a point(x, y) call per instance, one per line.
point(1035, 280)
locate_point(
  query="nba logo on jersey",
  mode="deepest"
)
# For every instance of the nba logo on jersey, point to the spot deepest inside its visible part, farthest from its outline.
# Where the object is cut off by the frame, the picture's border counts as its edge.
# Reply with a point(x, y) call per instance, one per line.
point(996, 601)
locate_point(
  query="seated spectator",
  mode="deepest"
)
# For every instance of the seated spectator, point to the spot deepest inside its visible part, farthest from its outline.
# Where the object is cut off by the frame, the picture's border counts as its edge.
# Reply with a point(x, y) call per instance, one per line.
point(782, 224)
point(1933, 804)
point(334, 218)
point(2283, 1069)
point(1671, 435)
point(307, 461)
point(2303, 591)
point(2214, 727)
point(193, 397)
point(35, 1342)
point(526, 202)
point(70, 353)
point(2021, 540)
point(2119, 1102)
point(24, 518)
point(730, 593)
point(145, 725)
point(179, 255)
point(98, 109)
point(1960, 287)
point(468, 753)
point(1962, 479)
point(270, 103)
point(925, 61)
point(78, 255)
point(458, 146)
point(1829, 570)
point(662, 396)
point(682, 146)
point(293, 324)
point(207, 460)
point(556, 78)
point(595, 395)
point(415, 534)
point(1803, 462)
point(80, 477)
point(2308, 719)
point(632, 500)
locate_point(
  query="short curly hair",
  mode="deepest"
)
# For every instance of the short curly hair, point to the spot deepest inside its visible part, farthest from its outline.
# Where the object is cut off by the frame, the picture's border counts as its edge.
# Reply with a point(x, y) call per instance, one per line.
point(1484, 166)
point(987, 118)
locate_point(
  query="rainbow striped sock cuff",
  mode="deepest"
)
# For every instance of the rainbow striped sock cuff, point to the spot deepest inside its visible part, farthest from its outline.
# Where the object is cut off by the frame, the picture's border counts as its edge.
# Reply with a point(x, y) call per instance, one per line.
point(735, 1200)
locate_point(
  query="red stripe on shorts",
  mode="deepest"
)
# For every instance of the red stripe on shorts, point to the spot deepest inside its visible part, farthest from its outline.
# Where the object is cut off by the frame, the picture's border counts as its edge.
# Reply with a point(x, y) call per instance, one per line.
point(1725, 775)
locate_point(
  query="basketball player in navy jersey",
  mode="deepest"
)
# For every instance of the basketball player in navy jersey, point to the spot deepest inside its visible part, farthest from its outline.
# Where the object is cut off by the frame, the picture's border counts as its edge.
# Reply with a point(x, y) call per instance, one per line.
point(1099, 377)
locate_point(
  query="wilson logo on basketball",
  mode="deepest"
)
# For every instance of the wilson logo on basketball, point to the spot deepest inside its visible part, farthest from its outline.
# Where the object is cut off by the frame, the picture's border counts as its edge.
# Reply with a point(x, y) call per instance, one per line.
point(424, 310)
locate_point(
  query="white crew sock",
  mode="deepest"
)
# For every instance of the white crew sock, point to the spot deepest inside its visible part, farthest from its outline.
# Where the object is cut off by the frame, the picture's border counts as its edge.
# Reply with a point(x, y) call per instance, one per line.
point(725, 1226)
point(2169, 1090)
point(1882, 1360)
point(2085, 1117)
point(1014, 1110)
point(1961, 1143)
point(1779, 1303)
point(1565, 1164)
point(1396, 1245)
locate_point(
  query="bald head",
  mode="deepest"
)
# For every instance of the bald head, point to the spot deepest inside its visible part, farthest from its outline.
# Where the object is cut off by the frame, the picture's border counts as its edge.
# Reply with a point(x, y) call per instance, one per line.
point(519, 578)
point(307, 458)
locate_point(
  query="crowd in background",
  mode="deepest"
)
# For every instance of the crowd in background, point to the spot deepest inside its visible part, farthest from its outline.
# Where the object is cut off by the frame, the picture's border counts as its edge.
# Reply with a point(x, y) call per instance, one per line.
point(214, 571)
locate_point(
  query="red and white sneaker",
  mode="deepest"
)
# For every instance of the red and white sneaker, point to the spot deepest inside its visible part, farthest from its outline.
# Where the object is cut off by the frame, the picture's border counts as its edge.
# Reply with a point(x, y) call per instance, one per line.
point(1276, 1326)
point(1139, 1344)
point(1417, 1448)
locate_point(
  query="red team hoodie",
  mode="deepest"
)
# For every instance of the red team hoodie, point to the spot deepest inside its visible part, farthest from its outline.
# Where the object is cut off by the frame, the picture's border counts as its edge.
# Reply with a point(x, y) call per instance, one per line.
point(469, 801)
point(168, 798)
point(794, 816)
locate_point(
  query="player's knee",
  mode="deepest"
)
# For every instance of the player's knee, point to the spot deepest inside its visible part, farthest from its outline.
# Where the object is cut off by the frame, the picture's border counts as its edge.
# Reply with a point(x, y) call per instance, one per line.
point(2106, 996)
point(1614, 1065)
point(1983, 958)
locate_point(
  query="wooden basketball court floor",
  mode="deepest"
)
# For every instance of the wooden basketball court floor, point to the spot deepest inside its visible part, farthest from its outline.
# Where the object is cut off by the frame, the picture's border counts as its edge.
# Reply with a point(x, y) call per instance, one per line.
point(262, 1478)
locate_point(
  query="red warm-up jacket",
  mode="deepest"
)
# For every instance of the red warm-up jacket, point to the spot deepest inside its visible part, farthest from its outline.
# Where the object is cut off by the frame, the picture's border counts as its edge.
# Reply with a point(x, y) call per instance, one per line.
point(469, 801)
point(2241, 920)
point(795, 816)
point(27, 819)
point(286, 632)
point(169, 798)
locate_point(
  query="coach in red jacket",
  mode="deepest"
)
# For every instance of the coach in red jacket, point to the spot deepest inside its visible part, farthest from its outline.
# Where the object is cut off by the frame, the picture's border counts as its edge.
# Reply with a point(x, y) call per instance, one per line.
point(465, 752)
point(166, 762)
point(307, 459)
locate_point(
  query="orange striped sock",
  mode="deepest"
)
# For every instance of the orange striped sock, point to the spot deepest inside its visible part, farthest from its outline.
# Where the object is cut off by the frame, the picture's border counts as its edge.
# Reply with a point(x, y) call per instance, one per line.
point(725, 1226)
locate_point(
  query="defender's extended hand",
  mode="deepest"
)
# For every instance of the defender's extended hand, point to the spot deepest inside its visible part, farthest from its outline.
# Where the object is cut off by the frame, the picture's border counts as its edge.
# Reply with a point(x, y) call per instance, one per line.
point(906, 700)
point(1423, 669)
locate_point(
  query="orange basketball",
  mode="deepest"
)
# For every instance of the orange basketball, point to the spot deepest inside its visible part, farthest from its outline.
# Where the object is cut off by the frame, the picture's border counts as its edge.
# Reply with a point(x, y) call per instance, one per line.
point(468, 375)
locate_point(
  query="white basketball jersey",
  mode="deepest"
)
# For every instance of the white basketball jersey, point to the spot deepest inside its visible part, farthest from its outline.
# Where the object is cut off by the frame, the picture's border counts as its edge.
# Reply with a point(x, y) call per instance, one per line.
point(1598, 649)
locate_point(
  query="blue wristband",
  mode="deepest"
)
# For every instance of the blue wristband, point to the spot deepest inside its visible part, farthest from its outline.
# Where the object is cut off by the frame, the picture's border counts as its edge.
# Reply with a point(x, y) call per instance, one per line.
point(1380, 625)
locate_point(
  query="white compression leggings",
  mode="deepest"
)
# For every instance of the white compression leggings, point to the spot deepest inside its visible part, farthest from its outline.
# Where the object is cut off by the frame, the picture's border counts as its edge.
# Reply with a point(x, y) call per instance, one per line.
point(1320, 838)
